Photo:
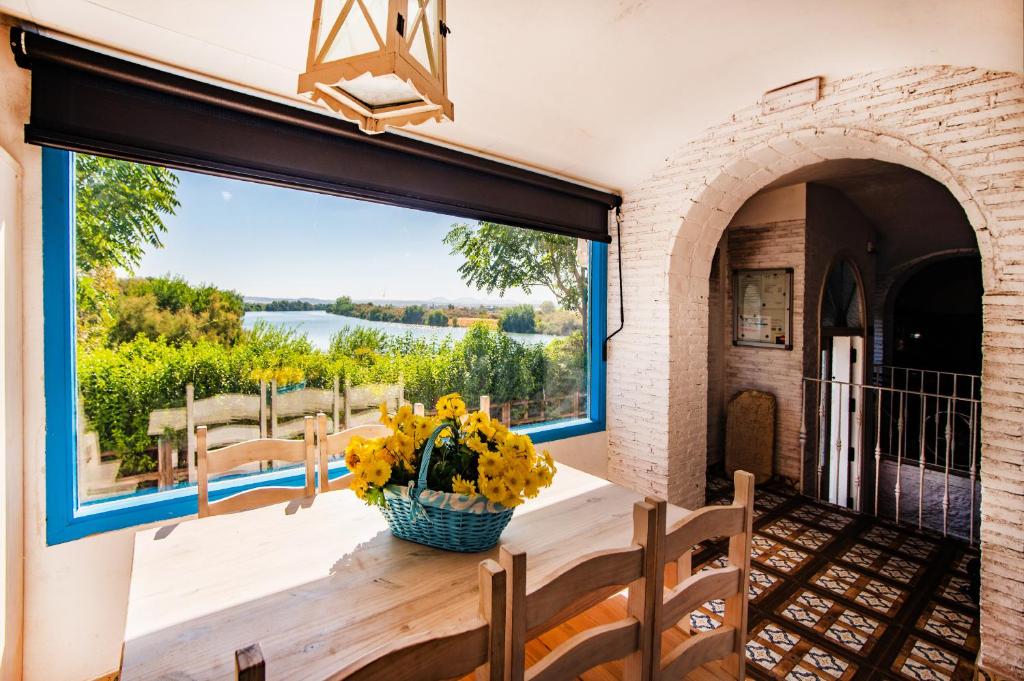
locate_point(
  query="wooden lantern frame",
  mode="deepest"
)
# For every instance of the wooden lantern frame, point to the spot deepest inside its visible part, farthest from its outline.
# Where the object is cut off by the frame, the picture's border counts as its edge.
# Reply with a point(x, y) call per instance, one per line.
point(322, 79)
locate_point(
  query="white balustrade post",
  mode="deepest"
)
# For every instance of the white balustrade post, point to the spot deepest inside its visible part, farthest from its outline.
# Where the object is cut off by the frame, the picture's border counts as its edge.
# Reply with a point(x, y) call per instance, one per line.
point(190, 433)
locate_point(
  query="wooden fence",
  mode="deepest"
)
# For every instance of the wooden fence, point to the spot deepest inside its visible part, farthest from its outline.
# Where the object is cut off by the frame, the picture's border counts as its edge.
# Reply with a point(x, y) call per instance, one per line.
point(274, 413)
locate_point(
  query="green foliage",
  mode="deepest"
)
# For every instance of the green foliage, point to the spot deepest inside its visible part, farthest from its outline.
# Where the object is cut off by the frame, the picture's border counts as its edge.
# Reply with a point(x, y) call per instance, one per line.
point(558, 322)
point(170, 307)
point(342, 306)
point(119, 208)
point(121, 386)
point(436, 318)
point(286, 306)
point(565, 365)
point(413, 314)
point(518, 319)
point(119, 212)
point(499, 258)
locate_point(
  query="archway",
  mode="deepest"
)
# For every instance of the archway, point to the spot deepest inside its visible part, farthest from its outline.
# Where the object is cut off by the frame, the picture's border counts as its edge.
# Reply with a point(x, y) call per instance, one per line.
point(657, 369)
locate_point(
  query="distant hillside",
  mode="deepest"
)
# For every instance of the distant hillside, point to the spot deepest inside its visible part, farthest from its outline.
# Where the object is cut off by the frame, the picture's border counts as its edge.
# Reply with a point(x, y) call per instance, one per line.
point(431, 302)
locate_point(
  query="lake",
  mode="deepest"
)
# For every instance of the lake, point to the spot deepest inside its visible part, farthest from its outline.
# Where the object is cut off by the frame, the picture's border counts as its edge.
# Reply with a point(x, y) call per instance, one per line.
point(320, 326)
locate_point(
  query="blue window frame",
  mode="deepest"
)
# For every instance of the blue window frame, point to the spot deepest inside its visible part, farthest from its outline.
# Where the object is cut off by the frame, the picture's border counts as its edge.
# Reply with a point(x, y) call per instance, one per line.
point(66, 518)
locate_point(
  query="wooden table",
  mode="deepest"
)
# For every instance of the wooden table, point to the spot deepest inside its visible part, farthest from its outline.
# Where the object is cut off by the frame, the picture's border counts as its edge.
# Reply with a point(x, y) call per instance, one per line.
point(320, 583)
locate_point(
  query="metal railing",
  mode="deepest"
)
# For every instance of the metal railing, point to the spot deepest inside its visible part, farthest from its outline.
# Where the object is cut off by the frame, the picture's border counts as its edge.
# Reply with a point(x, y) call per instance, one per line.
point(918, 440)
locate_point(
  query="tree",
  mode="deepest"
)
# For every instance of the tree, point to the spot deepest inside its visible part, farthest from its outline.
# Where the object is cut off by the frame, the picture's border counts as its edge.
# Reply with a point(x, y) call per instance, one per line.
point(342, 306)
point(436, 318)
point(518, 319)
point(499, 258)
point(412, 315)
point(119, 211)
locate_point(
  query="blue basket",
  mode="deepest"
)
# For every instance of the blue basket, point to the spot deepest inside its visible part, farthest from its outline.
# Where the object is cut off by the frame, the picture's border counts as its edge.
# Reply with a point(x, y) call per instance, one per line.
point(444, 520)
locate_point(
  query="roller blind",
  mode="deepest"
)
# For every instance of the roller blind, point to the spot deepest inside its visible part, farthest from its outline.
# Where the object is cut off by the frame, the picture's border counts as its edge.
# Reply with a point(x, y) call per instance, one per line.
point(86, 101)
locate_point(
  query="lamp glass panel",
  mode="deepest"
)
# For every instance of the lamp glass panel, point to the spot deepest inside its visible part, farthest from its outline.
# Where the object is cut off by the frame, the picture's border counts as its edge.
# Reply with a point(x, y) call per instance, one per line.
point(378, 10)
point(328, 15)
point(355, 36)
point(425, 41)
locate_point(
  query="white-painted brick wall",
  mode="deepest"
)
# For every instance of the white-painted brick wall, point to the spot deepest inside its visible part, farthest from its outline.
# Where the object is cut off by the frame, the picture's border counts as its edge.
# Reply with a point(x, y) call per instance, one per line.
point(964, 127)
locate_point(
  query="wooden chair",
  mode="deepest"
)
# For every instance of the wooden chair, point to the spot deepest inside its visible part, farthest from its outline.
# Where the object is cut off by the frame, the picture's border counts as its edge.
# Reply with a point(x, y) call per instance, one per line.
point(729, 583)
point(427, 657)
point(230, 457)
point(575, 588)
point(335, 444)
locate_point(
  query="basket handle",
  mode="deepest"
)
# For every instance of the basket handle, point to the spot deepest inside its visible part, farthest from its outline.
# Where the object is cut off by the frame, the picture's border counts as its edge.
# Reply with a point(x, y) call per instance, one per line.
point(421, 482)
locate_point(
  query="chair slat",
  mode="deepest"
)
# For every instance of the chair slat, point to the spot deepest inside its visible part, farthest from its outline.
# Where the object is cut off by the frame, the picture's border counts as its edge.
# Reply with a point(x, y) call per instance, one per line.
point(432, 657)
point(616, 567)
point(707, 522)
point(697, 589)
point(730, 583)
point(254, 498)
point(586, 650)
point(231, 457)
point(453, 655)
point(578, 584)
point(710, 645)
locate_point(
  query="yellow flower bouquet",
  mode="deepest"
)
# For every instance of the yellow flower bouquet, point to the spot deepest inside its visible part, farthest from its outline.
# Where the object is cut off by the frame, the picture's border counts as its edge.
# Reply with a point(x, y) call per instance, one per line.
point(450, 480)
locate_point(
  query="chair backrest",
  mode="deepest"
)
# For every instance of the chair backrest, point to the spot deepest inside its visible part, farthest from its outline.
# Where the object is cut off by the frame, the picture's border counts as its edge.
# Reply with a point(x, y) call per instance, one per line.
point(692, 590)
point(576, 587)
point(428, 656)
point(335, 444)
point(228, 458)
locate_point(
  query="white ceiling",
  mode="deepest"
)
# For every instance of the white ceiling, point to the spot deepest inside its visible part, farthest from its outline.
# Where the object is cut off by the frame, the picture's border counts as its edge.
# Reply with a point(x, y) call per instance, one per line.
point(597, 90)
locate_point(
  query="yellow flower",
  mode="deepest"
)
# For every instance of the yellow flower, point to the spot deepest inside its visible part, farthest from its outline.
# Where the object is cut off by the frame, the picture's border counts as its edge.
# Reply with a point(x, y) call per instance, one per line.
point(385, 419)
point(531, 486)
point(450, 406)
point(460, 486)
point(480, 422)
point(514, 480)
point(352, 452)
point(476, 444)
point(377, 472)
point(359, 486)
point(511, 499)
point(491, 488)
point(490, 464)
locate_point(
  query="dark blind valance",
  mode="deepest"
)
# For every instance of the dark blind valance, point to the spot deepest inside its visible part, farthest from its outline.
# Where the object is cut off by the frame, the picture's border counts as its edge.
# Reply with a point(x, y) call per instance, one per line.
point(91, 102)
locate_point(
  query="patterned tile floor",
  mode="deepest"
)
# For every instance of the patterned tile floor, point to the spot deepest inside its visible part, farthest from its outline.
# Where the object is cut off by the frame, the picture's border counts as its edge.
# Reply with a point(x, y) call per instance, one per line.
point(838, 595)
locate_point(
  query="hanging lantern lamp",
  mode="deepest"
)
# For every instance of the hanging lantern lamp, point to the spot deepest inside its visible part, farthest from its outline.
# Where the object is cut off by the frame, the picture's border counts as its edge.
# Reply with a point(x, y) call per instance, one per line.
point(379, 62)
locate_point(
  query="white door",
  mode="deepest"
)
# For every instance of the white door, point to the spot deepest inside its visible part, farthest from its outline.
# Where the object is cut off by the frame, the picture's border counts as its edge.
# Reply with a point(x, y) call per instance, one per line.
point(856, 416)
point(844, 441)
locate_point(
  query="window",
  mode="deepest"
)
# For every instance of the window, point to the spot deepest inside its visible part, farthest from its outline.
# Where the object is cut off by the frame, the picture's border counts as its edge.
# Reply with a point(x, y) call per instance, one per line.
point(175, 299)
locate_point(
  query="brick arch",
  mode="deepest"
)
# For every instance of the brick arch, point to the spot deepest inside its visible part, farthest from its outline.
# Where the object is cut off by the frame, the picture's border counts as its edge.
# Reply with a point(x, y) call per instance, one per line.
point(719, 196)
point(963, 127)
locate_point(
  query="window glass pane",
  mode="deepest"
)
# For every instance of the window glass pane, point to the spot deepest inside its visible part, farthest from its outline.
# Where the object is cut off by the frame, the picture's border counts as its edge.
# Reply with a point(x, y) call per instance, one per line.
point(205, 301)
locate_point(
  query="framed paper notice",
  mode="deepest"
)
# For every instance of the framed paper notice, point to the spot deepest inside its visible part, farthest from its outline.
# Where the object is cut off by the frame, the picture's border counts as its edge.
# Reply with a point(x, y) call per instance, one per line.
point(762, 308)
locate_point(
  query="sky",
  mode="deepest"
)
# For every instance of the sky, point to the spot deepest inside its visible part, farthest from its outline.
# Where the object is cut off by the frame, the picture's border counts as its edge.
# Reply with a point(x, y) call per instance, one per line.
point(261, 240)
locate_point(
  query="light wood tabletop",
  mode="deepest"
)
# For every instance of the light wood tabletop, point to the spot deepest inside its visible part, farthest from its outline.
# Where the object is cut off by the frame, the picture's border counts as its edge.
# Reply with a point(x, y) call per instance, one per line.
point(321, 582)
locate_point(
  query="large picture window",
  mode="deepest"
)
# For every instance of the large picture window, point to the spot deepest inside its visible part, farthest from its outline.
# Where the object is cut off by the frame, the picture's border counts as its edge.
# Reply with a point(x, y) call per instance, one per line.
point(176, 299)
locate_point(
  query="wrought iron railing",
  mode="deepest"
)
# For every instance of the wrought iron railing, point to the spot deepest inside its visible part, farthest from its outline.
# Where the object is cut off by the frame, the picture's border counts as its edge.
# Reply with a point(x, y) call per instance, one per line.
point(919, 444)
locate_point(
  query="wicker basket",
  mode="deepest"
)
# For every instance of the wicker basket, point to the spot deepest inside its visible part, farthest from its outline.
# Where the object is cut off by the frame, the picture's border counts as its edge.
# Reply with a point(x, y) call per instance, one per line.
point(444, 520)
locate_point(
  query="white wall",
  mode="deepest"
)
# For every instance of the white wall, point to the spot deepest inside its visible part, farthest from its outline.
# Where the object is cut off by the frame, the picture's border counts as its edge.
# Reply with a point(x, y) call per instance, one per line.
point(11, 517)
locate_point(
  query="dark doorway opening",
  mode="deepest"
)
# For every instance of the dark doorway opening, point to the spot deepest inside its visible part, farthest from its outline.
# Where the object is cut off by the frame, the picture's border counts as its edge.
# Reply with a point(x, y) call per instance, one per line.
point(937, 317)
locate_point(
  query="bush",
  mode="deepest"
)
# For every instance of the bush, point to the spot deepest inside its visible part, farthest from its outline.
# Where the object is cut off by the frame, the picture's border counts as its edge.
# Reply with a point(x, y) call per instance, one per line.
point(518, 319)
point(120, 387)
point(171, 308)
point(436, 318)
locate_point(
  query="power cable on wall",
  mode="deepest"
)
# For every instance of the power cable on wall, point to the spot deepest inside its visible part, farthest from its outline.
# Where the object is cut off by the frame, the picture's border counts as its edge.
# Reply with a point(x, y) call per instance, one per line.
point(622, 306)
